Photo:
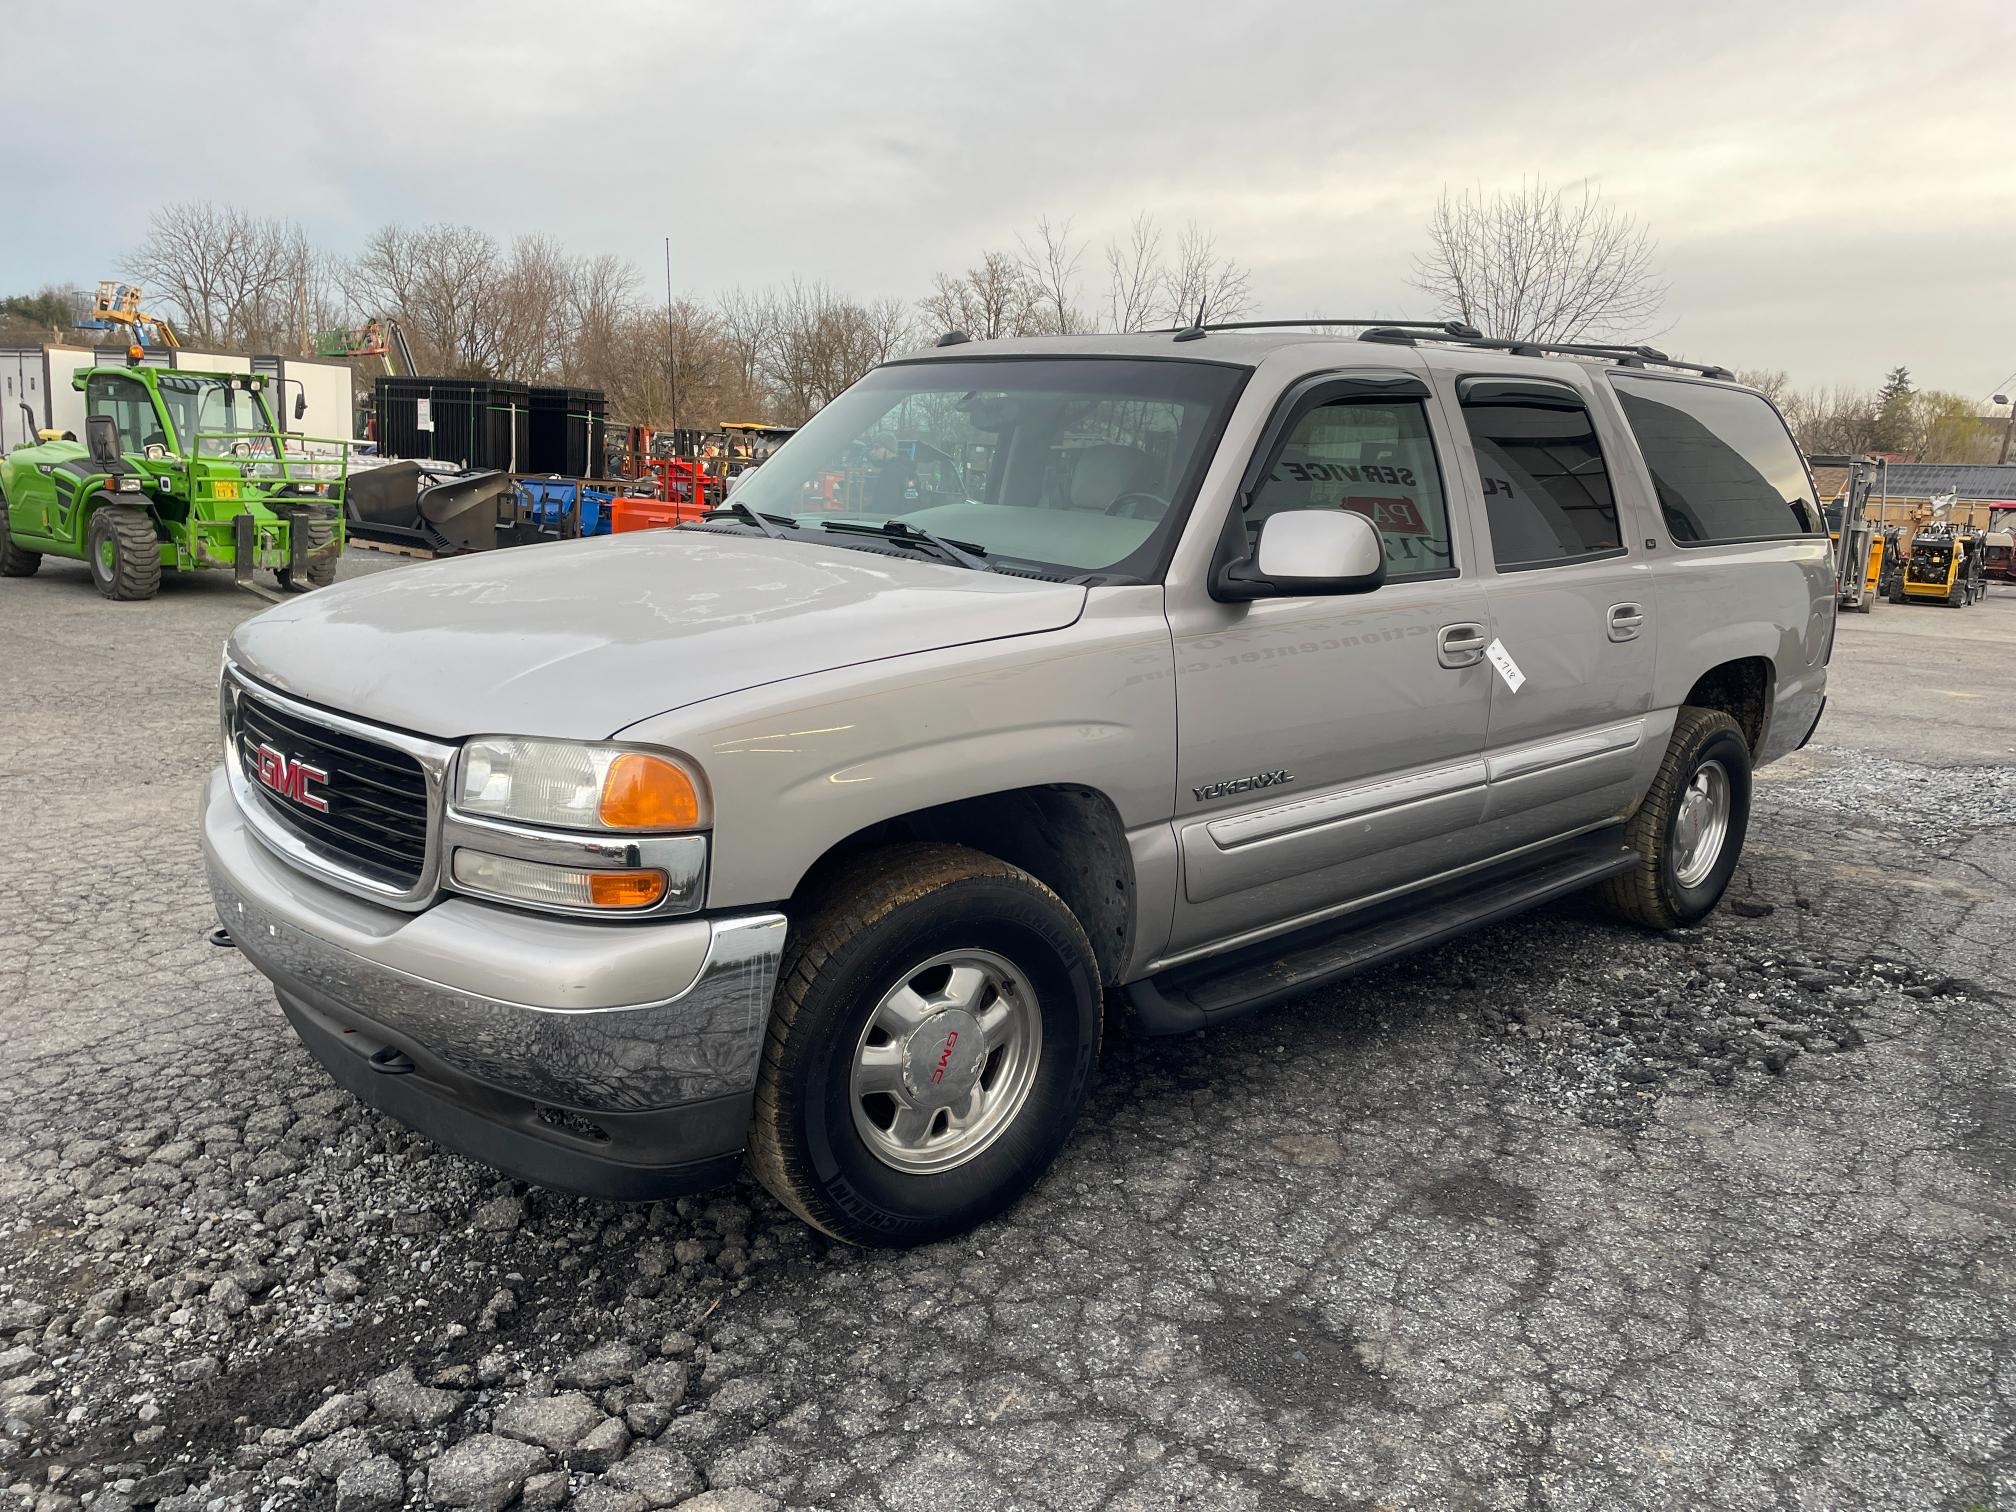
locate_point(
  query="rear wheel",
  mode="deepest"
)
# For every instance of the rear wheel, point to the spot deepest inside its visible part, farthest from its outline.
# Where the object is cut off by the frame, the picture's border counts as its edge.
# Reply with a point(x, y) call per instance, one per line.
point(936, 1024)
point(14, 560)
point(124, 553)
point(1688, 832)
point(321, 570)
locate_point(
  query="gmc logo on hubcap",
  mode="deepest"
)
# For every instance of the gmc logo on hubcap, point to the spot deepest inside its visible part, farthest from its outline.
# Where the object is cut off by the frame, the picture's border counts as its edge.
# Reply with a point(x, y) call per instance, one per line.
point(291, 778)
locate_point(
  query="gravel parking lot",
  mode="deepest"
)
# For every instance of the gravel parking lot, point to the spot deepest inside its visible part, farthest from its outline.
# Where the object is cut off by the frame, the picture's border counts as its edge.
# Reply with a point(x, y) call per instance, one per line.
point(1567, 1216)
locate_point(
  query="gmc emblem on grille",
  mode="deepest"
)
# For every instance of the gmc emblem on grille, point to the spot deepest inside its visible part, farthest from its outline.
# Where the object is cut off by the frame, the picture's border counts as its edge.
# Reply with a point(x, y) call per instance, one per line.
point(290, 779)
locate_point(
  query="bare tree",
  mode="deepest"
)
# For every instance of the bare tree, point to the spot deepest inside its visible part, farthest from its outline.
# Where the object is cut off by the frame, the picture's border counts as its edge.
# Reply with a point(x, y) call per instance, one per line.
point(1134, 275)
point(441, 283)
point(234, 280)
point(1050, 263)
point(1773, 383)
point(1202, 284)
point(748, 322)
point(1540, 264)
point(994, 298)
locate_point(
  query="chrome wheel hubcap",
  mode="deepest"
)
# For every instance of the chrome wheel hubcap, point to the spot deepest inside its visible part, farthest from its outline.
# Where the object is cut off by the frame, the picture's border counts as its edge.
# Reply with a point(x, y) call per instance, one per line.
point(1701, 824)
point(946, 1061)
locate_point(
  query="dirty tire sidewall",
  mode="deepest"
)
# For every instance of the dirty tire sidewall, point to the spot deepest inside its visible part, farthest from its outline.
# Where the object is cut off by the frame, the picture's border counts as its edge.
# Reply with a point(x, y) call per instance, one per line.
point(322, 571)
point(1692, 904)
point(127, 536)
point(932, 898)
point(14, 561)
point(1650, 892)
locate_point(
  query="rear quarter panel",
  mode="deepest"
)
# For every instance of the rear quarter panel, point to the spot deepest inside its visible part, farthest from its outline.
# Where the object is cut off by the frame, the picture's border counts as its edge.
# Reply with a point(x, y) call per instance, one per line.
point(1773, 599)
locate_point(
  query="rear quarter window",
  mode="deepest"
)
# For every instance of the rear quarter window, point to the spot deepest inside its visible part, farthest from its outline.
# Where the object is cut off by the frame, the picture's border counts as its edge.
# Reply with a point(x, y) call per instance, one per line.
point(1724, 466)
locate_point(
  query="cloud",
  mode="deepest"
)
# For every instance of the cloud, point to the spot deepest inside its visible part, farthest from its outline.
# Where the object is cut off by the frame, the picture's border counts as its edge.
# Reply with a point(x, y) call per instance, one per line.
point(1829, 183)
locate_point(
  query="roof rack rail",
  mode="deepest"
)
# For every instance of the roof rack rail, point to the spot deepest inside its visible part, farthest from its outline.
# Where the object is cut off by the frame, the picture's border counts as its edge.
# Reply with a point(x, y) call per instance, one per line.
point(1452, 328)
point(1405, 333)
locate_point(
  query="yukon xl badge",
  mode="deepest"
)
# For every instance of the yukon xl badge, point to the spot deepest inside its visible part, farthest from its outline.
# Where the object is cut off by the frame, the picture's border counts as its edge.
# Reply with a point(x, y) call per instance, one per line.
point(1242, 785)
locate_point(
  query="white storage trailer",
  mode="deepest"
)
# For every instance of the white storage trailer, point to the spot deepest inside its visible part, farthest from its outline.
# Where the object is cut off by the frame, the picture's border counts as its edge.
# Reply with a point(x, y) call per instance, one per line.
point(39, 377)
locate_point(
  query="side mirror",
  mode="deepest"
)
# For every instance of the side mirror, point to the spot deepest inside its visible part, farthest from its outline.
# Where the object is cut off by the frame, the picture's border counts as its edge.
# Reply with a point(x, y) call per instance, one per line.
point(300, 404)
point(1302, 553)
point(101, 438)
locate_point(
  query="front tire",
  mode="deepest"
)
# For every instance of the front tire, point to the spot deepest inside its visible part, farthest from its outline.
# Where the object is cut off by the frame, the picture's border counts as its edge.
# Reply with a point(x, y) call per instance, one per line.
point(321, 571)
point(124, 553)
point(14, 561)
point(937, 1020)
point(1688, 832)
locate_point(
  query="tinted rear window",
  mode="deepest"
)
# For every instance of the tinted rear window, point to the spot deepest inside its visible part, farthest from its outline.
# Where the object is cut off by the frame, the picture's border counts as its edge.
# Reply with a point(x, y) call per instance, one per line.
point(1725, 466)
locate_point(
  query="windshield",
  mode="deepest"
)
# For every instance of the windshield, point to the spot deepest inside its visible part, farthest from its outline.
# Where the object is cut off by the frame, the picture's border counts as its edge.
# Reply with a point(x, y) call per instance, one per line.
point(210, 406)
point(1071, 465)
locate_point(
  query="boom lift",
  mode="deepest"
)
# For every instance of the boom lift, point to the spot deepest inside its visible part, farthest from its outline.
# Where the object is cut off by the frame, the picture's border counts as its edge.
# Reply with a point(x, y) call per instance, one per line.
point(116, 307)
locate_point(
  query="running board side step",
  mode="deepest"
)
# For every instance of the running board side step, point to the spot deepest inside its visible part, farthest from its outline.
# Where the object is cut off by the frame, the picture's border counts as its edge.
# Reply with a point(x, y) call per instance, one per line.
point(1208, 992)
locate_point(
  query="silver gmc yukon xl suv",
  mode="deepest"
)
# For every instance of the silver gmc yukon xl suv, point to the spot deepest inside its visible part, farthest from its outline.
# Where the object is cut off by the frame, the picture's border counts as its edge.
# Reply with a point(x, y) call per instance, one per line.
point(1175, 671)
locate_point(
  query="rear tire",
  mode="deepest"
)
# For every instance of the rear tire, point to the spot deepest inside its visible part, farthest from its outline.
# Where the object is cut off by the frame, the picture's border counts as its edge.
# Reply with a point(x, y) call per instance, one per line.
point(321, 571)
point(123, 552)
point(15, 561)
point(1699, 799)
point(870, 994)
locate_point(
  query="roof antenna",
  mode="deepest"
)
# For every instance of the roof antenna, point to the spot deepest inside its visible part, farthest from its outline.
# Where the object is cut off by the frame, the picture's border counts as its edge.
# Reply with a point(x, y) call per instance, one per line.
point(1195, 330)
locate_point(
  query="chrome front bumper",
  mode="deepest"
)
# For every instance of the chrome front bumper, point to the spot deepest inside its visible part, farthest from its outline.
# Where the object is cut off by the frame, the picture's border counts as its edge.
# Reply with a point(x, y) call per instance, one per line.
point(505, 1014)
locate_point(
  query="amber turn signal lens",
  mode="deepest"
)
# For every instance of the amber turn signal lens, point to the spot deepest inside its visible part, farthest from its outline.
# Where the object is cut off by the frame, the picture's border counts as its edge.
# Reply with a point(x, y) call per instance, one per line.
point(648, 792)
point(626, 889)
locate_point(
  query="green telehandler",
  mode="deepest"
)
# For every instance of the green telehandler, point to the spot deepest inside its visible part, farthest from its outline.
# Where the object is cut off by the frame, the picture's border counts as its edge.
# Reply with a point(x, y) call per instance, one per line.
point(179, 470)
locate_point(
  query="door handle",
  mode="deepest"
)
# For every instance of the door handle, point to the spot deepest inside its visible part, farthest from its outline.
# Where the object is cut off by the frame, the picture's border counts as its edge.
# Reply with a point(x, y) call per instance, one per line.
point(1460, 646)
point(1624, 620)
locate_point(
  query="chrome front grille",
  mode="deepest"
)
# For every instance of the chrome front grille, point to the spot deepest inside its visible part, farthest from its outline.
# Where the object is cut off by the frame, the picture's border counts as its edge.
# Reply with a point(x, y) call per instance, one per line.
point(353, 803)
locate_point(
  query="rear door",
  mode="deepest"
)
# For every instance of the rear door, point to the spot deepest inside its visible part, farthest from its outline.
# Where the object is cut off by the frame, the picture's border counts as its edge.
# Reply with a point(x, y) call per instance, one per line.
point(1329, 748)
point(1571, 613)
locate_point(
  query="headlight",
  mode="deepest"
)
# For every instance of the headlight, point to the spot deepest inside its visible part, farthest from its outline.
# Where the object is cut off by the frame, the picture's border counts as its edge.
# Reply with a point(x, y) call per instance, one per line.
point(571, 785)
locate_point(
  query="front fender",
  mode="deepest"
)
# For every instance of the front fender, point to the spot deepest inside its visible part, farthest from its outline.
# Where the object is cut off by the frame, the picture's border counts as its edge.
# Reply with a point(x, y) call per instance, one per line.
point(796, 767)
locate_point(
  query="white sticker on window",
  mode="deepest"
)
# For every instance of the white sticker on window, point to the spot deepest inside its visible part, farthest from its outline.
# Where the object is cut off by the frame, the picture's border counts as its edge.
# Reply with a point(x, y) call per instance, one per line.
point(1499, 657)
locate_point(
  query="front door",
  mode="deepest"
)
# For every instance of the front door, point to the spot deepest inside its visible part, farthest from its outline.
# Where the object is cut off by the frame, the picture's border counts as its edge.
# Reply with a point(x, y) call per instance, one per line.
point(1330, 748)
point(1571, 614)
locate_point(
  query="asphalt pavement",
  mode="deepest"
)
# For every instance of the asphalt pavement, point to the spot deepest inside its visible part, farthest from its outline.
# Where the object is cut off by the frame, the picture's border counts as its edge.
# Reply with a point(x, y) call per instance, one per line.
point(1566, 1216)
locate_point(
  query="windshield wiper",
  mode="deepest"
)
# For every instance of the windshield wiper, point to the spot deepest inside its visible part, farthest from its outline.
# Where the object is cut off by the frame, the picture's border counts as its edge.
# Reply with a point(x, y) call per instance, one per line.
point(964, 553)
point(767, 523)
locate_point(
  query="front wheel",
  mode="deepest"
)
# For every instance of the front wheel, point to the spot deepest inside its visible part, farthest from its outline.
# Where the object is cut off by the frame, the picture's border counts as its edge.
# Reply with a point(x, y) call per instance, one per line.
point(1688, 832)
point(321, 570)
point(14, 561)
point(124, 553)
point(936, 1025)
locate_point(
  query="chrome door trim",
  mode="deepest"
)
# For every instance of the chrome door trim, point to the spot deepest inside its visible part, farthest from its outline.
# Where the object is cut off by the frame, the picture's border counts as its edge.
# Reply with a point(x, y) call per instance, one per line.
point(1538, 756)
point(1350, 802)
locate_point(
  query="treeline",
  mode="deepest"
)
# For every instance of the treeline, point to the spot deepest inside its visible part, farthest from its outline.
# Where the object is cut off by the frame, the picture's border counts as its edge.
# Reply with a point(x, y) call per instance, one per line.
point(1925, 425)
point(530, 310)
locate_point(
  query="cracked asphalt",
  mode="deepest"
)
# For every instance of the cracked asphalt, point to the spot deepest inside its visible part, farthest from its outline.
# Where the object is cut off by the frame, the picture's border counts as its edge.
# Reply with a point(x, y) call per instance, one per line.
point(1565, 1216)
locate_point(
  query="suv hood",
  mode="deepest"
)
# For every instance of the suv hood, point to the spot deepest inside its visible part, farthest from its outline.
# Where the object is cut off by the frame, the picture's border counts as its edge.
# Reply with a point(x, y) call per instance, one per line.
point(579, 639)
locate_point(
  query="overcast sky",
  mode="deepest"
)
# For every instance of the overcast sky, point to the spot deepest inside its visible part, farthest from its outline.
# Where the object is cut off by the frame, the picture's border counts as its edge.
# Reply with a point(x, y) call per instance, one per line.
point(1832, 186)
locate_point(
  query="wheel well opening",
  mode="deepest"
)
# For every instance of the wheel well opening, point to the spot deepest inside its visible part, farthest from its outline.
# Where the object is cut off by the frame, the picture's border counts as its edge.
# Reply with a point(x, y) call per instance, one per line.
point(1069, 838)
point(1742, 690)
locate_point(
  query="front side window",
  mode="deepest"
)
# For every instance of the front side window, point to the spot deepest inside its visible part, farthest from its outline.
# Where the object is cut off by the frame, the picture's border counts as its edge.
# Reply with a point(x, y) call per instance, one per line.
point(131, 407)
point(1546, 488)
point(1725, 467)
point(1376, 459)
point(1071, 465)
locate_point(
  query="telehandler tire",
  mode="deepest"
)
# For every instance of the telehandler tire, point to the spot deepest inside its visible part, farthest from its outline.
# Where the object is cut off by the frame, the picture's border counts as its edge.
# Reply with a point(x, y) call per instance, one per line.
point(124, 553)
point(321, 571)
point(15, 561)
